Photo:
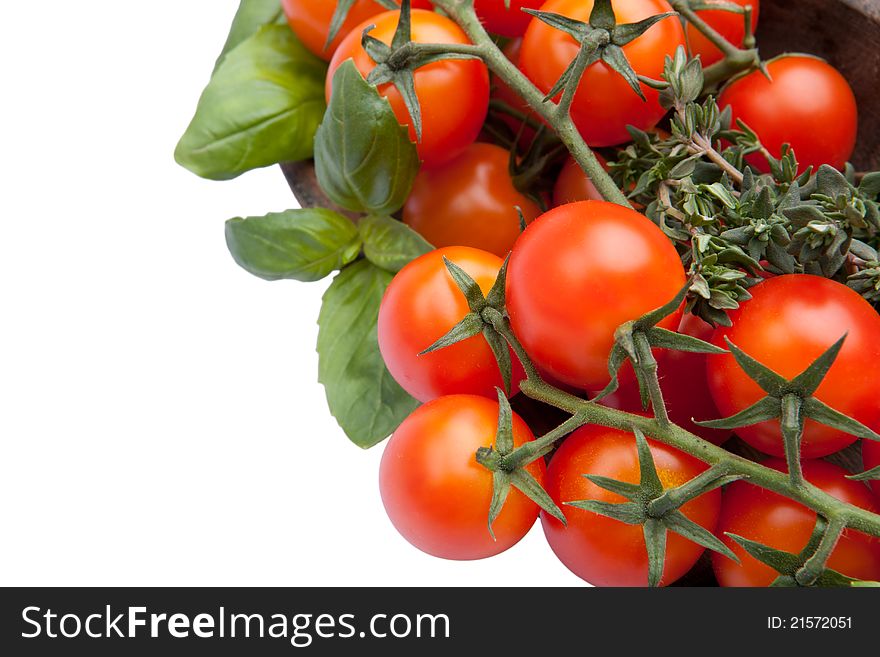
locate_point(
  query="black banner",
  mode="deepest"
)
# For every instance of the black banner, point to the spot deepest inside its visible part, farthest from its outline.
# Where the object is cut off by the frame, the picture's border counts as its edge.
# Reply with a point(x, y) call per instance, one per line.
point(333, 621)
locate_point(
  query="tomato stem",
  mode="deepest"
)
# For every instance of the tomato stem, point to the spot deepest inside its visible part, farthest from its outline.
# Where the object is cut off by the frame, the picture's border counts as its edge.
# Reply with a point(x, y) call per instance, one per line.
point(647, 366)
point(816, 564)
point(462, 12)
point(586, 412)
point(792, 426)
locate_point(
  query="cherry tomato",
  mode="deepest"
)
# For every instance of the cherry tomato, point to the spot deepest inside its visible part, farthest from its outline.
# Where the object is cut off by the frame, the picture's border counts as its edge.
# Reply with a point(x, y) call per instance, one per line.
point(509, 21)
point(420, 306)
point(437, 495)
point(453, 94)
point(310, 20)
point(469, 201)
point(684, 384)
point(576, 274)
point(771, 519)
point(808, 104)
point(575, 185)
point(605, 103)
point(603, 551)
point(730, 25)
point(500, 91)
point(871, 457)
point(789, 322)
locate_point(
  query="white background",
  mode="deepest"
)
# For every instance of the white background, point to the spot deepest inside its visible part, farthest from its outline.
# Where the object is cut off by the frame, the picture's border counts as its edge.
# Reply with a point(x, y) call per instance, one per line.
point(160, 419)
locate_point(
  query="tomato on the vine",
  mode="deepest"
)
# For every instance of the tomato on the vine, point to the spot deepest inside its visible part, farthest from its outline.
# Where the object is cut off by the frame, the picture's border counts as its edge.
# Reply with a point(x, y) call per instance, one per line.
point(469, 201)
point(605, 103)
point(501, 91)
point(683, 381)
point(574, 185)
point(576, 274)
point(789, 322)
point(310, 20)
point(453, 94)
point(437, 495)
point(604, 551)
point(781, 523)
point(420, 306)
point(871, 458)
point(806, 103)
point(509, 21)
point(729, 24)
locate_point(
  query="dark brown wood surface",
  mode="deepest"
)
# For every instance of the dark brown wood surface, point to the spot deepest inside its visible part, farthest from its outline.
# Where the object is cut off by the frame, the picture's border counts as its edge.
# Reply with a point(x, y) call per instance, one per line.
point(847, 34)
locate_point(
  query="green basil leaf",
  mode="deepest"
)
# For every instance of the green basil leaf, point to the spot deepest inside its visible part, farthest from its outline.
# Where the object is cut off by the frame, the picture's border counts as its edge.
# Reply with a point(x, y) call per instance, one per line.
point(305, 245)
point(262, 107)
point(364, 399)
point(251, 16)
point(391, 244)
point(364, 159)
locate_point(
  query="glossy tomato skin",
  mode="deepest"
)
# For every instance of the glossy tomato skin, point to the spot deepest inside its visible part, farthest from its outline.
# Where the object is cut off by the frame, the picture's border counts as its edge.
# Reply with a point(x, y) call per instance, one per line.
point(507, 21)
point(577, 273)
point(808, 104)
point(453, 94)
point(683, 381)
point(871, 457)
point(420, 306)
point(604, 104)
point(574, 185)
point(771, 519)
point(789, 322)
point(730, 25)
point(607, 552)
point(469, 201)
point(310, 21)
point(437, 495)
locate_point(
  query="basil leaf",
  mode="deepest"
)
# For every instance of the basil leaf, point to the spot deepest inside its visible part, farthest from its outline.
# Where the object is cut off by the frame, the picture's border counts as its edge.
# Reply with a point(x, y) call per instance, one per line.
point(391, 244)
point(251, 16)
point(305, 245)
point(364, 399)
point(262, 107)
point(364, 159)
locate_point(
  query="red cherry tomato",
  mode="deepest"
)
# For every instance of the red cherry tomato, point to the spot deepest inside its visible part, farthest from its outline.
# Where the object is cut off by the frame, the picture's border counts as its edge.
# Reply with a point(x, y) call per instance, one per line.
point(605, 103)
point(574, 185)
point(730, 25)
point(437, 495)
point(684, 384)
point(453, 94)
point(871, 457)
point(420, 306)
point(576, 274)
point(808, 104)
point(509, 21)
point(789, 322)
point(603, 551)
point(310, 20)
point(771, 519)
point(469, 201)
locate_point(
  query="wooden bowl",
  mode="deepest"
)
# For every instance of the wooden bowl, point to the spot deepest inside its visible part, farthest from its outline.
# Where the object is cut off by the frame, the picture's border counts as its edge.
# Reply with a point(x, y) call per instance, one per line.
point(845, 32)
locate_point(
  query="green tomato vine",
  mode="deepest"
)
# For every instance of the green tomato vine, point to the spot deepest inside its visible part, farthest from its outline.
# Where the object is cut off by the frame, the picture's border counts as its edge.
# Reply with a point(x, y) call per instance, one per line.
point(664, 175)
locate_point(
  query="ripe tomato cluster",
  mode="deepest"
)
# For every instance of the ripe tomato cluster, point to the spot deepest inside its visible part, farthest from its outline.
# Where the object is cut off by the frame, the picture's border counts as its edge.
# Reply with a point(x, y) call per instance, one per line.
point(559, 259)
point(577, 268)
